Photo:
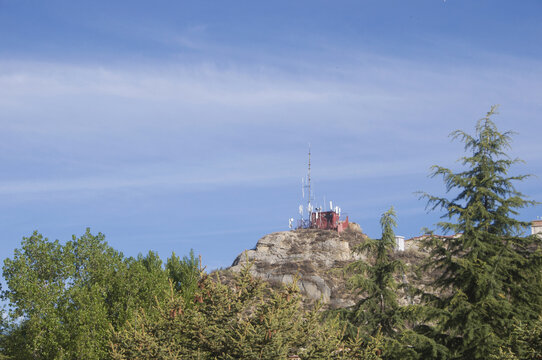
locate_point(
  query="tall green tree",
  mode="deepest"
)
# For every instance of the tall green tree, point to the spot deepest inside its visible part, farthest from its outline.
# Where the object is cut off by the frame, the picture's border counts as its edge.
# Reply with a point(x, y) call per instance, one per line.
point(375, 281)
point(379, 312)
point(65, 299)
point(488, 275)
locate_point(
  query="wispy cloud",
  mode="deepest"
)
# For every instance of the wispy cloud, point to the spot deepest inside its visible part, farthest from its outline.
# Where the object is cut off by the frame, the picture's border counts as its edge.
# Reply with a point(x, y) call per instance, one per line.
point(255, 170)
point(202, 84)
point(245, 121)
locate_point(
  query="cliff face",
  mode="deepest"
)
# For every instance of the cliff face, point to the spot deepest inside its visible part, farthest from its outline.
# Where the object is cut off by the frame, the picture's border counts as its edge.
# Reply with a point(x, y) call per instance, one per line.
point(317, 257)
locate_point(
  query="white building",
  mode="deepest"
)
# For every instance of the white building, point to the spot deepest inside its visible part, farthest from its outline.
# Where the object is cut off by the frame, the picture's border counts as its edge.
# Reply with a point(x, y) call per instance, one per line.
point(536, 227)
point(399, 243)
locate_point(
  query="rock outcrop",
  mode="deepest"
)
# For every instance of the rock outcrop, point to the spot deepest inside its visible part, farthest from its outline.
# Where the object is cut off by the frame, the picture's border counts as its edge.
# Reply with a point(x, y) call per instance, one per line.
point(315, 257)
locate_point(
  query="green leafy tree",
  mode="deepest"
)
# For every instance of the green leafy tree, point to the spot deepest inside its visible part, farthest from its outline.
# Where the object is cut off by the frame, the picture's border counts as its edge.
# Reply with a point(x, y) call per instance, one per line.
point(488, 276)
point(37, 279)
point(65, 299)
point(4, 329)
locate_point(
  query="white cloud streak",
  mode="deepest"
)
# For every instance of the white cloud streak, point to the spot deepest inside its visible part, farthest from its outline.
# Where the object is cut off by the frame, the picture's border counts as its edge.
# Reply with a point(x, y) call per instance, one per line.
point(386, 116)
point(245, 172)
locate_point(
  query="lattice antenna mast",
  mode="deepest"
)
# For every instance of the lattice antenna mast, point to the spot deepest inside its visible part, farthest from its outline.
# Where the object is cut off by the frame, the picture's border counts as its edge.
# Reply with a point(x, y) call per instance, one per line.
point(309, 183)
point(306, 185)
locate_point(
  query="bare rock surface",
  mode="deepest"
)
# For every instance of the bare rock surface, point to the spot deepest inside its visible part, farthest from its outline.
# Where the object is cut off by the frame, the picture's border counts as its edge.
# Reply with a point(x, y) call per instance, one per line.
point(315, 257)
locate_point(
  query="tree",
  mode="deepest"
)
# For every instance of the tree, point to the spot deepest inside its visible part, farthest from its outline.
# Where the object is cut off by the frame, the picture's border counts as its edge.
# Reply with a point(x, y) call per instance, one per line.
point(488, 276)
point(36, 278)
point(247, 320)
point(65, 299)
point(525, 342)
point(184, 274)
point(376, 311)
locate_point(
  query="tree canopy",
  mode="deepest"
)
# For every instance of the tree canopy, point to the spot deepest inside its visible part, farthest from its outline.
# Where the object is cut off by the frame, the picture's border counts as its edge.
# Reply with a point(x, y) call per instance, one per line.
point(489, 276)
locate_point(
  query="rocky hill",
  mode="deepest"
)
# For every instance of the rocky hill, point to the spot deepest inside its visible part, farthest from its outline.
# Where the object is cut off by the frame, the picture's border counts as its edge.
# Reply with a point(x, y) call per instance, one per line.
point(316, 257)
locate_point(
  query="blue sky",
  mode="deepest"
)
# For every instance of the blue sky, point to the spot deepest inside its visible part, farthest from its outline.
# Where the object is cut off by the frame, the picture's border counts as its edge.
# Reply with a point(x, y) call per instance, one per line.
point(174, 125)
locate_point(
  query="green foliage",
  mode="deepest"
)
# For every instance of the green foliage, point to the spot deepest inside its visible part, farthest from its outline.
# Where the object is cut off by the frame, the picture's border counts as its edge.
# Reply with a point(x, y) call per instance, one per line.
point(488, 276)
point(525, 342)
point(184, 274)
point(65, 299)
point(244, 321)
point(377, 311)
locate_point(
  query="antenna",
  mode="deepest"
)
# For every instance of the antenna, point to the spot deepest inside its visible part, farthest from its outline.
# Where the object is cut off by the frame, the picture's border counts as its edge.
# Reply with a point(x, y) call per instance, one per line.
point(309, 176)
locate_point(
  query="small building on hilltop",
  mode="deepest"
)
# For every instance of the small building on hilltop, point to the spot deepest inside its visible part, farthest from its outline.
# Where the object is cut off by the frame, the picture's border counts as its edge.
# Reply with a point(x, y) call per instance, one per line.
point(536, 227)
point(328, 220)
point(399, 243)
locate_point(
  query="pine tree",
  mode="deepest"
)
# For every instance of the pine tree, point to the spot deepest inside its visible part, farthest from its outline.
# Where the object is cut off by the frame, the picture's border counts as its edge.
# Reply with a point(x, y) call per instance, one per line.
point(376, 312)
point(184, 273)
point(488, 277)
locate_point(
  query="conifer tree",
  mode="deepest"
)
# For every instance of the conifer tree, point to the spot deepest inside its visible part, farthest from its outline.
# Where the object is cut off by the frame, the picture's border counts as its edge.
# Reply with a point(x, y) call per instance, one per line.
point(244, 320)
point(376, 282)
point(525, 342)
point(184, 273)
point(378, 312)
point(488, 276)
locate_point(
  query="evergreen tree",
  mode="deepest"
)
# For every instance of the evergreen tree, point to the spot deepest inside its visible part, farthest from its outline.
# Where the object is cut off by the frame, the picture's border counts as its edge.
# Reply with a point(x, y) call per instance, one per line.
point(525, 342)
point(185, 274)
point(378, 312)
point(375, 281)
point(488, 276)
point(246, 320)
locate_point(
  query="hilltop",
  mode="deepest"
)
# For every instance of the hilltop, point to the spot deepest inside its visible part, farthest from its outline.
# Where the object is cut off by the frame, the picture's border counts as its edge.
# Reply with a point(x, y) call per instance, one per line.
point(317, 257)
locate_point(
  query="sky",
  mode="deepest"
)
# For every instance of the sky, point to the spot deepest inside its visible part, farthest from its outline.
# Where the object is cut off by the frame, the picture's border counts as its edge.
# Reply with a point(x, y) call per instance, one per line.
point(178, 125)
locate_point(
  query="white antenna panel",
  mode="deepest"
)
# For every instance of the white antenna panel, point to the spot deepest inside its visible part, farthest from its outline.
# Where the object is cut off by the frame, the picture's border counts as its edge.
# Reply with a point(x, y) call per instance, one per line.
point(330, 205)
point(301, 210)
